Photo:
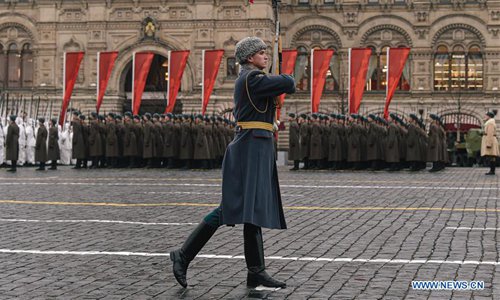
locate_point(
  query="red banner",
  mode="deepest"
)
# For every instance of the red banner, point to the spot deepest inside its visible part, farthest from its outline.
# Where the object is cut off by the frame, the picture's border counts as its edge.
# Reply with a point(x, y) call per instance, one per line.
point(396, 60)
point(211, 64)
point(72, 61)
point(141, 64)
point(287, 66)
point(320, 61)
point(105, 63)
point(177, 61)
point(359, 60)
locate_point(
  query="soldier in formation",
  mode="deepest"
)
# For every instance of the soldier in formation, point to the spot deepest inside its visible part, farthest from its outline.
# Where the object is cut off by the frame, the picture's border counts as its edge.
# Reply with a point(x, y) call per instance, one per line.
point(356, 142)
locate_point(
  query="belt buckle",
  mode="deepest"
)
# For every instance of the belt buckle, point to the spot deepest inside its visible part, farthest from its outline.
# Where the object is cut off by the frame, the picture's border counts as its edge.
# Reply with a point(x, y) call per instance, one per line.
point(238, 129)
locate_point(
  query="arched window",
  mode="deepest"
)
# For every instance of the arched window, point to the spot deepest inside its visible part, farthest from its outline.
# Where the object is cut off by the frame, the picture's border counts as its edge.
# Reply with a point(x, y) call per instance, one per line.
point(441, 69)
point(475, 69)
point(302, 70)
point(27, 66)
point(377, 72)
point(333, 74)
point(458, 69)
point(14, 66)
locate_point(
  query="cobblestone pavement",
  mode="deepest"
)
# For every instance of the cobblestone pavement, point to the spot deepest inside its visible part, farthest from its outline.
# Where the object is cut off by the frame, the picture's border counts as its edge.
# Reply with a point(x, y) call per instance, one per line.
point(106, 234)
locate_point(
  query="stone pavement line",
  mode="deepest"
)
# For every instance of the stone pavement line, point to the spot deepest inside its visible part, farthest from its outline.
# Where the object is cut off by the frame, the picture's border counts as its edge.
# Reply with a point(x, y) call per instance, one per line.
point(439, 209)
point(218, 256)
point(95, 221)
point(393, 187)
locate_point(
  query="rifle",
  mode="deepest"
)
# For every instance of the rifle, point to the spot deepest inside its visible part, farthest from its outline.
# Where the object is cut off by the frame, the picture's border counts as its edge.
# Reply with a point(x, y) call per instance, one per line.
point(277, 53)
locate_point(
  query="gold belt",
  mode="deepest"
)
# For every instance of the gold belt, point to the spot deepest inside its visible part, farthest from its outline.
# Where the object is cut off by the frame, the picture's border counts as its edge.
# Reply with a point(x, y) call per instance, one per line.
point(256, 125)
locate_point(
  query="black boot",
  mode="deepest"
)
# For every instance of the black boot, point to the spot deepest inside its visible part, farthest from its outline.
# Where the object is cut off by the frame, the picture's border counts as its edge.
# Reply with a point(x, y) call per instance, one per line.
point(13, 166)
point(295, 165)
point(254, 256)
point(41, 167)
point(492, 168)
point(53, 165)
point(194, 243)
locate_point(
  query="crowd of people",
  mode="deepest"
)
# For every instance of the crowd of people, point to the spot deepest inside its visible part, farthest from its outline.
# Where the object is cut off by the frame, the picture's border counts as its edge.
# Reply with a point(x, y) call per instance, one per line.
point(97, 141)
point(357, 142)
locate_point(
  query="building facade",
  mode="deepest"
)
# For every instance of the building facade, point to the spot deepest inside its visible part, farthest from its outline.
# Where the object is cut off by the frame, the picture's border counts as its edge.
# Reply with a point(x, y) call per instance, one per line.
point(453, 69)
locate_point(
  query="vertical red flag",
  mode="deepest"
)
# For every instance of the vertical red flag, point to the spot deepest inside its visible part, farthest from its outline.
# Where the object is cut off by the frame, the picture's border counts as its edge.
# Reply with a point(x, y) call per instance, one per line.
point(211, 64)
point(105, 63)
point(359, 59)
point(320, 61)
point(177, 61)
point(72, 61)
point(141, 64)
point(396, 60)
point(287, 66)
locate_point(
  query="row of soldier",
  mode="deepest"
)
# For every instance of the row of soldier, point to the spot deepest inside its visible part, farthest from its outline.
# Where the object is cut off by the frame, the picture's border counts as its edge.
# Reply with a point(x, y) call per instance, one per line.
point(358, 142)
point(153, 141)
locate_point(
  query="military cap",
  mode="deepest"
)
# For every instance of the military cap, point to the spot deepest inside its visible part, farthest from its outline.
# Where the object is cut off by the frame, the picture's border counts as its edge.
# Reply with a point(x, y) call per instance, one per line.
point(41, 120)
point(435, 117)
point(82, 117)
point(156, 116)
point(291, 115)
point(93, 115)
point(101, 117)
point(314, 116)
point(414, 117)
point(128, 114)
point(169, 115)
point(118, 117)
point(76, 113)
point(372, 116)
point(490, 114)
point(393, 116)
point(199, 116)
point(303, 116)
point(13, 118)
point(248, 47)
point(112, 115)
point(354, 116)
point(147, 115)
point(53, 121)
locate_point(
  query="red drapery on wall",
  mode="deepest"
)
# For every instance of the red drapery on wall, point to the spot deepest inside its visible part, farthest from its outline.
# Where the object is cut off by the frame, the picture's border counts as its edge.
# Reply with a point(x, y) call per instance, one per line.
point(141, 64)
point(72, 61)
point(396, 60)
point(211, 64)
point(105, 63)
point(177, 61)
point(320, 61)
point(359, 59)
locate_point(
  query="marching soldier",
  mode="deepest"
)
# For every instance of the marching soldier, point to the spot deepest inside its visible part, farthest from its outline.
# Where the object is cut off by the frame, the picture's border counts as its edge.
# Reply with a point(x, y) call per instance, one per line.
point(78, 143)
point(148, 149)
point(85, 134)
point(102, 133)
point(305, 140)
point(111, 141)
point(392, 150)
point(435, 146)
point(129, 141)
point(12, 144)
point(489, 142)
point(120, 132)
point(158, 141)
point(294, 142)
point(41, 145)
point(250, 178)
point(139, 135)
point(413, 147)
point(169, 141)
point(373, 154)
point(334, 143)
point(53, 150)
point(95, 141)
point(201, 154)
point(316, 153)
point(186, 143)
point(353, 142)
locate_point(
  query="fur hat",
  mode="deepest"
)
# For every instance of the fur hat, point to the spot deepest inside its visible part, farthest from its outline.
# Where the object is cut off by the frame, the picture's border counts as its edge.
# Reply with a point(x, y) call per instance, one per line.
point(248, 47)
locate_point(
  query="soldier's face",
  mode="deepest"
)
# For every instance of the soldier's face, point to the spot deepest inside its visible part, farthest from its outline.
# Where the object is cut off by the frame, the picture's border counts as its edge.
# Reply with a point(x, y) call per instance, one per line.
point(259, 59)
